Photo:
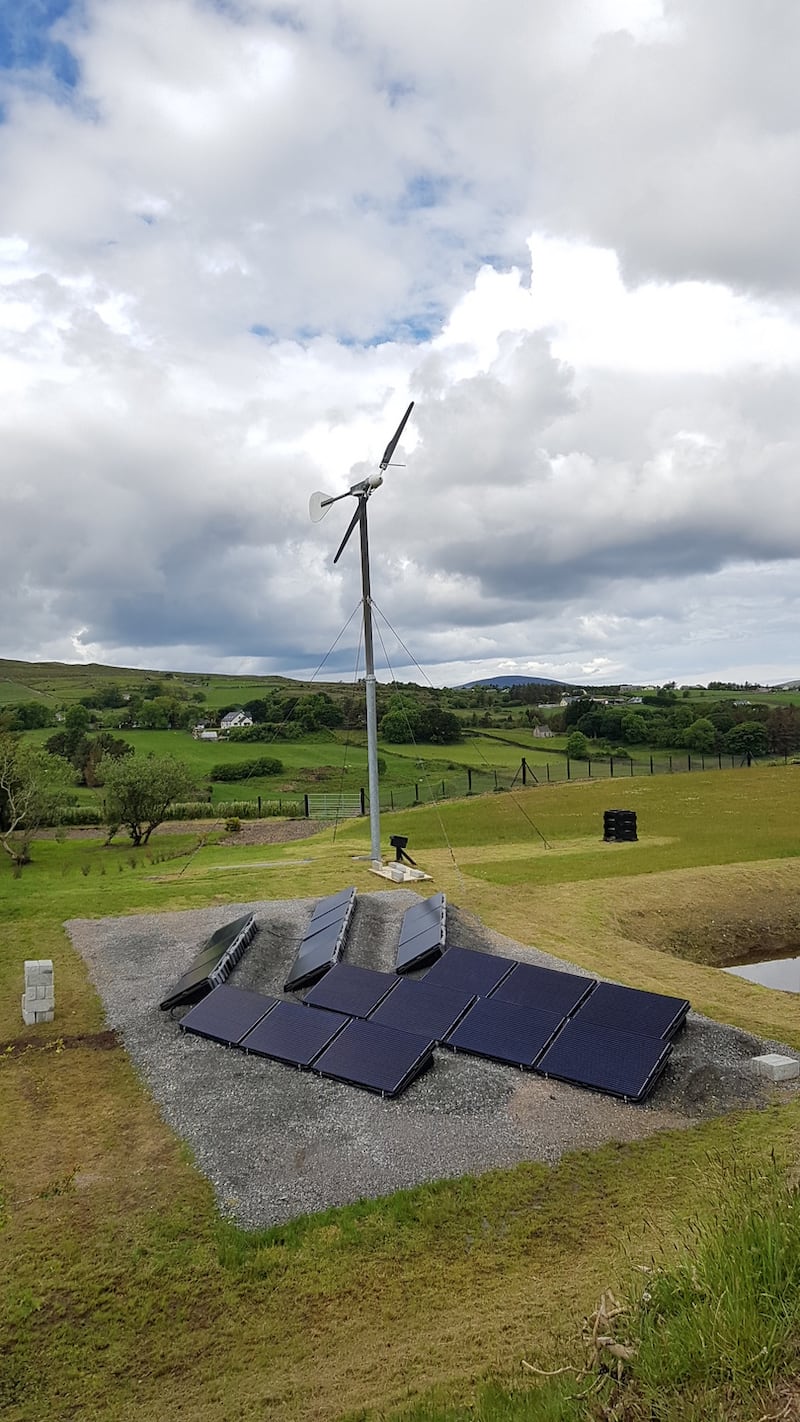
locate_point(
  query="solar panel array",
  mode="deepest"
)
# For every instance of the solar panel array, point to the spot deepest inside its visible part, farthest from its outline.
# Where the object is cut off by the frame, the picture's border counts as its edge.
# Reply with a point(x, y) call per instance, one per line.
point(212, 965)
point(422, 933)
point(323, 941)
point(377, 1030)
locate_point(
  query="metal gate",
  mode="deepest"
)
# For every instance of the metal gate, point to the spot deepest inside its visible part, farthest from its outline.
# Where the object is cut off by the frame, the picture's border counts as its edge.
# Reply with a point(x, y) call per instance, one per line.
point(333, 807)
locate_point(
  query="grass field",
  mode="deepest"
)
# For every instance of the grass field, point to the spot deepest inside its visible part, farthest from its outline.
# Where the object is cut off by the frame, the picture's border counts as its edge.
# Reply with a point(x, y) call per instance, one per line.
point(124, 1296)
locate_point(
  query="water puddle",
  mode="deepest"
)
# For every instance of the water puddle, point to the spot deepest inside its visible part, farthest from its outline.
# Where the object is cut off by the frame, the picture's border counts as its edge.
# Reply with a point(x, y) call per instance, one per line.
point(781, 973)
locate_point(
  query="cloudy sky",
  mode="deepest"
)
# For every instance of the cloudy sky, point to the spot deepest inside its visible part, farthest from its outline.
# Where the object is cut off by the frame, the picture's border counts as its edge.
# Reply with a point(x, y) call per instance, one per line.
point(236, 239)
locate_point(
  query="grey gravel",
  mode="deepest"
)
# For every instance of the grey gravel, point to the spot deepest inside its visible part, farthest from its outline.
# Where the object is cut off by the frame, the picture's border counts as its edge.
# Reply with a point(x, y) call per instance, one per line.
point(277, 1143)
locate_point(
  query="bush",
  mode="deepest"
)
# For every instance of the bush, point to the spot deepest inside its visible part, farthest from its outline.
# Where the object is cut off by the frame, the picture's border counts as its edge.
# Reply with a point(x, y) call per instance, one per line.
point(244, 769)
point(78, 815)
point(233, 824)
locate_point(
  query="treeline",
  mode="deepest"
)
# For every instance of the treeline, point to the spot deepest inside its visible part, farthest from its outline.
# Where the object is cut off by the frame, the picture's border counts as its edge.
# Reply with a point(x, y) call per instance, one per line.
point(733, 730)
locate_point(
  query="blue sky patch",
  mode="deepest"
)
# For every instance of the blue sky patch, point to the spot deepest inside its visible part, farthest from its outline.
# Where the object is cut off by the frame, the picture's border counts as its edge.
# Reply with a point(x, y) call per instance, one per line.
point(26, 41)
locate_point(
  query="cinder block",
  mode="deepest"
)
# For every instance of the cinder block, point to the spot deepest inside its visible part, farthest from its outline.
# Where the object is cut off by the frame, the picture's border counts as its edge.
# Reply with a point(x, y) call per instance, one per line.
point(773, 1067)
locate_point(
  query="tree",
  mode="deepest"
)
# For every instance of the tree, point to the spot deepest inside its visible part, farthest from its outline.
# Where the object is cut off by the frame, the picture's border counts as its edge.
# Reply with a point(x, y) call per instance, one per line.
point(139, 791)
point(31, 785)
point(748, 738)
point(577, 746)
point(700, 736)
point(634, 728)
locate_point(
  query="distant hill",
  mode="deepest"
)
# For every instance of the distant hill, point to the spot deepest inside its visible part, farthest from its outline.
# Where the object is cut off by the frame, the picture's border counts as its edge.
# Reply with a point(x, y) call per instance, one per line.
point(787, 686)
point(502, 682)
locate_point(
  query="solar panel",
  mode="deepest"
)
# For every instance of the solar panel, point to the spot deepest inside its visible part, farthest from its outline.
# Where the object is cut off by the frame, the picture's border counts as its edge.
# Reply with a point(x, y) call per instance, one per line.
point(646, 1014)
point(211, 966)
point(504, 1032)
point(350, 989)
point(465, 968)
point(227, 1014)
point(324, 920)
point(314, 957)
point(605, 1059)
point(428, 1011)
point(290, 1034)
point(417, 951)
point(546, 989)
point(375, 1057)
point(334, 901)
point(419, 915)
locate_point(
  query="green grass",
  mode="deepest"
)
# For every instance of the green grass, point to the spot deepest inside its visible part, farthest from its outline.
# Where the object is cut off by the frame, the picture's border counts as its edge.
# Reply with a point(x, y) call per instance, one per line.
point(710, 1328)
point(121, 1289)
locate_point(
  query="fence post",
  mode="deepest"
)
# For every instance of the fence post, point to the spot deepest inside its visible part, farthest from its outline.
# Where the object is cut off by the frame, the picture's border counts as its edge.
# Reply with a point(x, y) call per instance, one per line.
point(305, 803)
point(670, 764)
point(568, 773)
point(416, 792)
point(589, 763)
point(702, 762)
point(611, 765)
point(469, 780)
point(688, 760)
point(444, 792)
point(495, 780)
point(547, 768)
point(652, 772)
point(630, 762)
point(719, 758)
point(363, 799)
point(524, 771)
point(391, 798)
point(259, 807)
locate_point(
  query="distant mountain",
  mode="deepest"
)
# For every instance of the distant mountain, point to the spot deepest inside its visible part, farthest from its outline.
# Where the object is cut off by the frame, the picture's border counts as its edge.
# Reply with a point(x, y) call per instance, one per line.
point(501, 682)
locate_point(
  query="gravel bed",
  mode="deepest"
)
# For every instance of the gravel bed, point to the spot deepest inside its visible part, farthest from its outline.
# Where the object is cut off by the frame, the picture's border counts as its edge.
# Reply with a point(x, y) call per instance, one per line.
point(276, 1142)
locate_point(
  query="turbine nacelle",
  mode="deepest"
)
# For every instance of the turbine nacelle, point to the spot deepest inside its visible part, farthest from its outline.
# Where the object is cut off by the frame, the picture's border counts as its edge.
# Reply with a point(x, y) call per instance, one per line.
point(319, 503)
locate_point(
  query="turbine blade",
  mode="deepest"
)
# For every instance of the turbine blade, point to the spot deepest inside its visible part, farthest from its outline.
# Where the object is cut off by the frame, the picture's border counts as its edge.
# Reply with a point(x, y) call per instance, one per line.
point(395, 440)
point(350, 527)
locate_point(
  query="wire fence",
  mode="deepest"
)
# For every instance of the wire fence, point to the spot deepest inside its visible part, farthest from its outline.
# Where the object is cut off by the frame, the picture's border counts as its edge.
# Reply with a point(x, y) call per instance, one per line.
point(459, 785)
point(427, 790)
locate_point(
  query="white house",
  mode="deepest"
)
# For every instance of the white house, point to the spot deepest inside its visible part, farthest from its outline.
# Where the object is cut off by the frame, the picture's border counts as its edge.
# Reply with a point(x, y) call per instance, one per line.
point(542, 733)
point(234, 720)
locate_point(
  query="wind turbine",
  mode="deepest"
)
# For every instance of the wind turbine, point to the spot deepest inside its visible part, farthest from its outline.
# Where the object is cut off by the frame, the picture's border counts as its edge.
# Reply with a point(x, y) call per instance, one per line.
point(318, 506)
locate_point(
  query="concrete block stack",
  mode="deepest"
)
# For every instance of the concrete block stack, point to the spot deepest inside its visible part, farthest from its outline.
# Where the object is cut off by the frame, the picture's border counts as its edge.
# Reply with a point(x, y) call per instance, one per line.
point(39, 998)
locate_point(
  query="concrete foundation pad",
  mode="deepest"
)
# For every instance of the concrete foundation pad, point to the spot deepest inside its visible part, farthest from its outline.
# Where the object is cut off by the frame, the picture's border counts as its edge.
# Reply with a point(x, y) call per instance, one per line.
point(773, 1067)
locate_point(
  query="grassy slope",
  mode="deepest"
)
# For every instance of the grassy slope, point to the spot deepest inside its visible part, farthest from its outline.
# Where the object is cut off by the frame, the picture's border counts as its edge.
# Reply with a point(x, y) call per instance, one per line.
point(124, 1298)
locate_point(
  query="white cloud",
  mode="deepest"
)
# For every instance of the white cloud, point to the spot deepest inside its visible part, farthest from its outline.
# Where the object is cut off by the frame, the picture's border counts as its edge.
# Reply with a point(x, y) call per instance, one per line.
point(242, 244)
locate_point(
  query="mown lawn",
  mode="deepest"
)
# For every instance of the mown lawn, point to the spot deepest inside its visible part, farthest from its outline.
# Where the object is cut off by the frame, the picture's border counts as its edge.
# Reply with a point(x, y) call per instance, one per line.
point(123, 1294)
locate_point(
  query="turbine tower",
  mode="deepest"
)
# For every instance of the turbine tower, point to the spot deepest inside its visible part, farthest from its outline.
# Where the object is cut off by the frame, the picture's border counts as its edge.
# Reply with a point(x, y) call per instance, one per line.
point(318, 506)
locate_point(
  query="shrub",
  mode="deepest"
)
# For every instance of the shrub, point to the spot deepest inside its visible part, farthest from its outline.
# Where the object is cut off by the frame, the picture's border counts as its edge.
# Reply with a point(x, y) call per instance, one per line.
point(233, 824)
point(244, 769)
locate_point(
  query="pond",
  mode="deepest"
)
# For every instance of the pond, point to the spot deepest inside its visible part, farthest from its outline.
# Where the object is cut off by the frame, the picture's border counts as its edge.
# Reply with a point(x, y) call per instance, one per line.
point(781, 973)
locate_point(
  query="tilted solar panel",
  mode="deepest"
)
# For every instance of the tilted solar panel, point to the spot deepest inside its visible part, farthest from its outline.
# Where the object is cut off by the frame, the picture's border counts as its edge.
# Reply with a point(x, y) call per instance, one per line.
point(324, 920)
point(428, 1011)
point(605, 1059)
point(646, 1014)
point(465, 968)
point(350, 989)
point(421, 949)
point(314, 957)
point(504, 1032)
point(546, 989)
point(334, 901)
point(291, 1034)
point(227, 1014)
point(419, 915)
point(374, 1057)
point(212, 964)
